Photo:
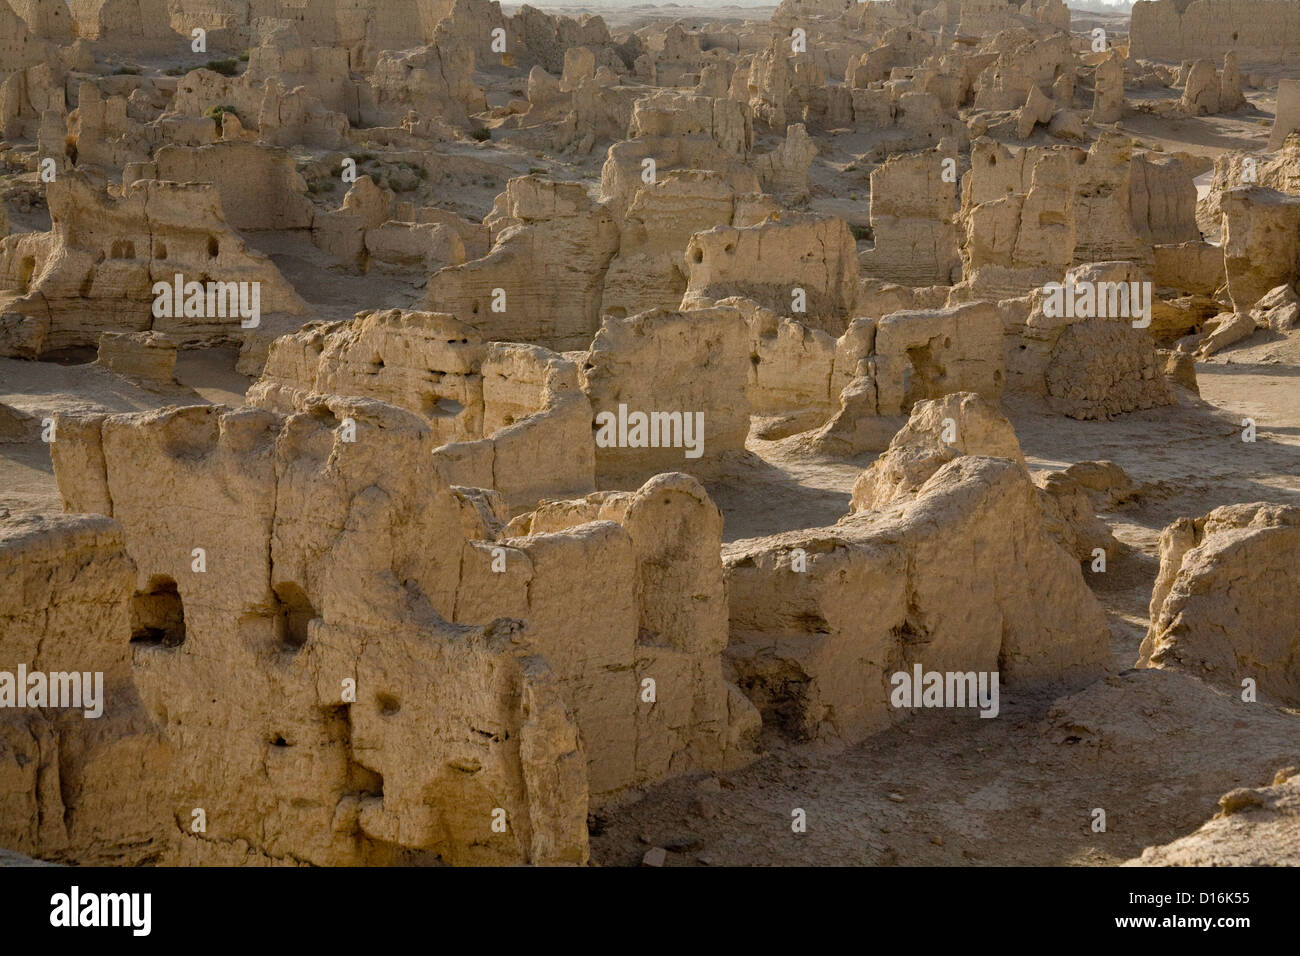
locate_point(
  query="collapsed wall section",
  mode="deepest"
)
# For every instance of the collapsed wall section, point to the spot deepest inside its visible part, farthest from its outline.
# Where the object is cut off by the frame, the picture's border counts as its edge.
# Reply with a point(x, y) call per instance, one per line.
point(1226, 601)
point(959, 578)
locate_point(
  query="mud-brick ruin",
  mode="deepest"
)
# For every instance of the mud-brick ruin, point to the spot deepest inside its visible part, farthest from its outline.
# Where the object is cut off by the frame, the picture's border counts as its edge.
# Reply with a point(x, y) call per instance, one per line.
point(440, 432)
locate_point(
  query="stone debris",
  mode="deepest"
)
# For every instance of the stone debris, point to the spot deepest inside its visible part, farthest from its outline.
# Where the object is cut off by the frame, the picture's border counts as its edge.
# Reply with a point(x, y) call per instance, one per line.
point(1254, 827)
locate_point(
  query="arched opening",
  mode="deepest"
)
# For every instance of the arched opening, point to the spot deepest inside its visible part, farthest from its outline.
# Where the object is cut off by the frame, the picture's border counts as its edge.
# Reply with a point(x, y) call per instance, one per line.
point(25, 272)
point(434, 406)
point(158, 614)
point(296, 613)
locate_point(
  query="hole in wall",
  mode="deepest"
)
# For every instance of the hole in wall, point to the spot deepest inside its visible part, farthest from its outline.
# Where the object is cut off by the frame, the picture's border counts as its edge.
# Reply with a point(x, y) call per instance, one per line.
point(158, 614)
point(295, 615)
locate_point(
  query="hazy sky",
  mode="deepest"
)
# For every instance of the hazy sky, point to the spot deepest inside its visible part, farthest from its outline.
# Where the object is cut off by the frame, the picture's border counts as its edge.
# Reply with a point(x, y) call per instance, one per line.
point(714, 4)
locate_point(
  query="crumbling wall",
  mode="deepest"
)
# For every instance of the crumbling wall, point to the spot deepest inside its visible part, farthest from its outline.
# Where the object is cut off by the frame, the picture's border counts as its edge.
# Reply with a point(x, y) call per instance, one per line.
point(1261, 242)
point(1226, 600)
point(326, 560)
point(1084, 366)
point(770, 261)
point(930, 353)
point(638, 583)
point(1286, 118)
point(672, 131)
point(792, 368)
point(312, 607)
point(259, 186)
point(913, 220)
point(937, 431)
point(1030, 215)
point(690, 369)
point(882, 369)
point(537, 425)
point(73, 787)
point(650, 270)
point(432, 83)
point(512, 416)
point(94, 271)
point(421, 361)
point(552, 248)
point(959, 578)
point(1260, 31)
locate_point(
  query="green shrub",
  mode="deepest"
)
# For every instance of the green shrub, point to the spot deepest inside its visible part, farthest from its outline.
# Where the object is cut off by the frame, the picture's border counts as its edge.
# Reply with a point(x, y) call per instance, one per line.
point(226, 67)
point(482, 133)
point(218, 112)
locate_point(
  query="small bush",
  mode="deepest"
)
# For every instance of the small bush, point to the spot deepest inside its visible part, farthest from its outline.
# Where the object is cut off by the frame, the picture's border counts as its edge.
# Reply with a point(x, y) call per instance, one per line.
point(218, 113)
point(243, 57)
point(127, 71)
point(175, 71)
point(226, 67)
point(482, 133)
point(861, 232)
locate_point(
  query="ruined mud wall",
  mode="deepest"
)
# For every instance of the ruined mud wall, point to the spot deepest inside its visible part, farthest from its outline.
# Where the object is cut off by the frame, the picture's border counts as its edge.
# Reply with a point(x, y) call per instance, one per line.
point(1260, 31)
point(319, 565)
point(961, 577)
point(279, 562)
point(1196, 623)
point(95, 271)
